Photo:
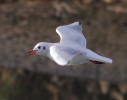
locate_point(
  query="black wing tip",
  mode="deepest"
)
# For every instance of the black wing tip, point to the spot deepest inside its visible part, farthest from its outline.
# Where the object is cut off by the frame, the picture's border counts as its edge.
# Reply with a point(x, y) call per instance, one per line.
point(80, 23)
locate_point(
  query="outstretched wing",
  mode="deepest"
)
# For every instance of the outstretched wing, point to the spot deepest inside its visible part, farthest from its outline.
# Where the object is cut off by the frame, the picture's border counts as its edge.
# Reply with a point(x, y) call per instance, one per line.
point(63, 55)
point(72, 33)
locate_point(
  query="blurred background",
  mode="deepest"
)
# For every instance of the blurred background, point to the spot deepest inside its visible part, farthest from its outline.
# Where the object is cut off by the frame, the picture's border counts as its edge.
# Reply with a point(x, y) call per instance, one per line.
point(24, 23)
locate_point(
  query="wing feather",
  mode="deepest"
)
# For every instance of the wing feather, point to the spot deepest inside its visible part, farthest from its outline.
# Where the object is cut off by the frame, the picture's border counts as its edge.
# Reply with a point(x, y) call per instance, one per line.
point(62, 54)
point(72, 33)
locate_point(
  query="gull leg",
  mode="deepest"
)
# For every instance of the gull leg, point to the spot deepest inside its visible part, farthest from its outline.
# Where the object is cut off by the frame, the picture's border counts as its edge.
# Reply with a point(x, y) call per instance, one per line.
point(96, 62)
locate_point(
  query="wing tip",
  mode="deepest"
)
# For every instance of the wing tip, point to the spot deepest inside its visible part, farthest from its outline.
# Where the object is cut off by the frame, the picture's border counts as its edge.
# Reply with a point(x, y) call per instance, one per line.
point(80, 23)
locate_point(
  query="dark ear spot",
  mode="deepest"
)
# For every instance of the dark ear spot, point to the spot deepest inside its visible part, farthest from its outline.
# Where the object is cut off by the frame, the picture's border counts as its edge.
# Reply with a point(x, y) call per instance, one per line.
point(44, 48)
point(80, 23)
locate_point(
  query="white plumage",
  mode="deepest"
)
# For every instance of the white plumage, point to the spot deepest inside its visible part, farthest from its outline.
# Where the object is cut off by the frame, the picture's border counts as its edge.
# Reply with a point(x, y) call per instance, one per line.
point(72, 48)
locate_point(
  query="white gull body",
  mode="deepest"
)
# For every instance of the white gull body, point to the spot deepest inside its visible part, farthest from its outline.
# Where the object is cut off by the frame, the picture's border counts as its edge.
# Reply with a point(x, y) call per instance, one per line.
point(72, 48)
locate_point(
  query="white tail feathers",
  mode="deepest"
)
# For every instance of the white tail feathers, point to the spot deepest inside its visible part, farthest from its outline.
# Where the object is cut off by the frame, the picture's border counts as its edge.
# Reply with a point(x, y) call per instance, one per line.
point(97, 58)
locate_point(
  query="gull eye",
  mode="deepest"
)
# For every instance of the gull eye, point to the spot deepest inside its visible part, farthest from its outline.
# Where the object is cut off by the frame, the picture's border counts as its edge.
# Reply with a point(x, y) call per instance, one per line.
point(44, 48)
point(39, 47)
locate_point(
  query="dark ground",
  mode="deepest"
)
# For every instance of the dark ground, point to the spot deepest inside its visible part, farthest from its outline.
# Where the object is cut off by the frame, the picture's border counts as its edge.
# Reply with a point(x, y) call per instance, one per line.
point(25, 23)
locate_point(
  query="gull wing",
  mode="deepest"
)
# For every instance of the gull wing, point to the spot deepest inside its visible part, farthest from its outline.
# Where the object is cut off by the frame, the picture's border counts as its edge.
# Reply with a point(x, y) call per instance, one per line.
point(63, 55)
point(72, 33)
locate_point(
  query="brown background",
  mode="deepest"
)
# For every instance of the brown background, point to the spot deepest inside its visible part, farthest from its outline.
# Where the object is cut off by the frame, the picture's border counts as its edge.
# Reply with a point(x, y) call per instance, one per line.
point(25, 23)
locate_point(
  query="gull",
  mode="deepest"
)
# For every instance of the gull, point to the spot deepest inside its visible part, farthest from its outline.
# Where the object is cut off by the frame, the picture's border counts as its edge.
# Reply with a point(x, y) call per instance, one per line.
point(72, 48)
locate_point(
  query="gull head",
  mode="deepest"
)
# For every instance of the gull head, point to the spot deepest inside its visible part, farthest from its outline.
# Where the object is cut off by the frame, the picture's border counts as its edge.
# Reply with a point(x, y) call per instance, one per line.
point(39, 49)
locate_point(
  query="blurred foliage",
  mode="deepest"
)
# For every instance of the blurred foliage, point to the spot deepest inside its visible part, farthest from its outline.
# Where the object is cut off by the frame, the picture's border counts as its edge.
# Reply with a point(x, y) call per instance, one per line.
point(83, 1)
point(17, 84)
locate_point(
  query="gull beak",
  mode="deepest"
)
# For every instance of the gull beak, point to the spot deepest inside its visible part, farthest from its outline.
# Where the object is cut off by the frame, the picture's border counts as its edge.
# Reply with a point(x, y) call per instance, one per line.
point(31, 52)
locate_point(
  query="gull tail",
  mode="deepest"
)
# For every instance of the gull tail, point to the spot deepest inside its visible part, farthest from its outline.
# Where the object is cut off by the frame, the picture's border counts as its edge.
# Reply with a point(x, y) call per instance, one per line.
point(97, 59)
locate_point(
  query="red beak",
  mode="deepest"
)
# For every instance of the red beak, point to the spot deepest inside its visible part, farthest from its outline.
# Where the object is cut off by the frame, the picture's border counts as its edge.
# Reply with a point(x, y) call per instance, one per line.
point(31, 52)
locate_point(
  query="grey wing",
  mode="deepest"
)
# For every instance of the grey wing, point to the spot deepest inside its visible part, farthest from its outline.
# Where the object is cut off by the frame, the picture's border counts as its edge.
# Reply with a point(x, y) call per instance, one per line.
point(63, 55)
point(72, 33)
